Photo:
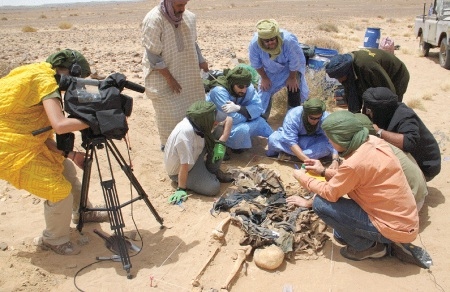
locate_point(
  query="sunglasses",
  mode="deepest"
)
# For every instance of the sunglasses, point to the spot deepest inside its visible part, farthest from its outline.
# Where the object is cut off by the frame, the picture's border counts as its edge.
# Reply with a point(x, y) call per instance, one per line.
point(241, 86)
point(314, 119)
point(269, 40)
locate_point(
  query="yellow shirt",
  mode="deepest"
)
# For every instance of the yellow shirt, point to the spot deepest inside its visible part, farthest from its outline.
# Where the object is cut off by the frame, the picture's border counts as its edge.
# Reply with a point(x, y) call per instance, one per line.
point(25, 160)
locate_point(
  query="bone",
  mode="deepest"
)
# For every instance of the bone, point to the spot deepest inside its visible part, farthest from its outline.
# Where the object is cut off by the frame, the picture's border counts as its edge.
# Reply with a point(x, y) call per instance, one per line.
point(196, 281)
point(242, 254)
point(219, 233)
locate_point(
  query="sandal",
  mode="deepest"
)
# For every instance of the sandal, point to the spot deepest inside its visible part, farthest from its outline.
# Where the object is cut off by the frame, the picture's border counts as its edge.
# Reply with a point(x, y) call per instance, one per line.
point(67, 248)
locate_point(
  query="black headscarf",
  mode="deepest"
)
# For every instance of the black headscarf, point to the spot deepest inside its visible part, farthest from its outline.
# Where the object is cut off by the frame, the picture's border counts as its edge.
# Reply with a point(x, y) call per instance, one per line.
point(383, 103)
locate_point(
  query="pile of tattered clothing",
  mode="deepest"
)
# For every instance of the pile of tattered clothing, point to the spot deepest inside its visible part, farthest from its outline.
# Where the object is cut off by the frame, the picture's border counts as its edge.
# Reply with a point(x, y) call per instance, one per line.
point(258, 206)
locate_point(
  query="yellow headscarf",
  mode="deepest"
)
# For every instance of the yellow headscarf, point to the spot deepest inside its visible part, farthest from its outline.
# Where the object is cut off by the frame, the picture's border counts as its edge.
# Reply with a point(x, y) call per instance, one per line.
point(268, 28)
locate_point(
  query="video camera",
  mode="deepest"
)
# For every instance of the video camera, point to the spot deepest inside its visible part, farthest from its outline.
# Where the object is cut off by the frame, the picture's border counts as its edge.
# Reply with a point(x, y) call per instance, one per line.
point(99, 103)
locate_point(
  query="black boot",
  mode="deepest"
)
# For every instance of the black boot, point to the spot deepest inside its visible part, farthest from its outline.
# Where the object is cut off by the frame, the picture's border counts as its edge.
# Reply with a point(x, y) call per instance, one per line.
point(224, 177)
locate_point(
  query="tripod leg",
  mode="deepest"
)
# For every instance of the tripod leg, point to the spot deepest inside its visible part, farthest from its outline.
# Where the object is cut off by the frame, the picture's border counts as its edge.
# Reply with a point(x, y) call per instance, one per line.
point(85, 185)
point(116, 222)
point(129, 173)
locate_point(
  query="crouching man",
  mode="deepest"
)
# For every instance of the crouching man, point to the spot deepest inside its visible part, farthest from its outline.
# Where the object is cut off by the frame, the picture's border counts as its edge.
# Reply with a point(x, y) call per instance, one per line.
point(186, 148)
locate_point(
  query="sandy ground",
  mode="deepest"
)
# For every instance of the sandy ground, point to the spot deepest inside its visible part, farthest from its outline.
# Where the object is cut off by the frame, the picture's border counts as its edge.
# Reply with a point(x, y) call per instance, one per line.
point(109, 36)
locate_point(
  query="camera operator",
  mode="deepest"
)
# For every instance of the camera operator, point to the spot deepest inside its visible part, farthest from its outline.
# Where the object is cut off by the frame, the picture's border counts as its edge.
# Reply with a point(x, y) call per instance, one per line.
point(31, 100)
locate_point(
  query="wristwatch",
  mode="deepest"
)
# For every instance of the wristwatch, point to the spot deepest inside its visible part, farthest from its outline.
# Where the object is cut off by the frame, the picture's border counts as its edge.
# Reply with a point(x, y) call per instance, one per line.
point(379, 133)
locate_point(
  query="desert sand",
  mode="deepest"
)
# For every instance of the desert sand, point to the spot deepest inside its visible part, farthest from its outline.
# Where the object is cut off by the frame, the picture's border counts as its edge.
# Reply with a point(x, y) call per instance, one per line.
point(109, 36)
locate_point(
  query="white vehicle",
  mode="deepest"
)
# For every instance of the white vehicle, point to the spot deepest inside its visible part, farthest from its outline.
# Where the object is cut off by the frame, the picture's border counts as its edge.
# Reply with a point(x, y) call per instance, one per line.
point(433, 29)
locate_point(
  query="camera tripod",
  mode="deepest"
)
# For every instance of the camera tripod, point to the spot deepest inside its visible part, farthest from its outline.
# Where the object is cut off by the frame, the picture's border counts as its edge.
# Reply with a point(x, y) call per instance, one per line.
point(113, 206)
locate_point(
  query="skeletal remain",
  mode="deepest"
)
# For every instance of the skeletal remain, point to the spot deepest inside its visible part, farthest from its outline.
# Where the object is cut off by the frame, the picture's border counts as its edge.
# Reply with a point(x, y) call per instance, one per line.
point(242, 254)
point(218, 232)
point(196, 281)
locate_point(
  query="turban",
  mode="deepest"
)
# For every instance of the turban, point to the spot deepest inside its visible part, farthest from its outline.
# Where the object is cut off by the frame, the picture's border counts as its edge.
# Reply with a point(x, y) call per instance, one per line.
point(379, 97)
point(344, 129)
point(383, 103)
point(267, 28)
point(366, 122)
point(239, 76)
point(314, 106)
point(202, 114)
point(66, 58)
point(255, 74)
point(339, 66)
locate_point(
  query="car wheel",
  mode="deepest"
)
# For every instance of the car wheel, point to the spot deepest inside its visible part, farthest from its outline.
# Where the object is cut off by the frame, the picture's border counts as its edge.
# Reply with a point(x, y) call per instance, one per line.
point(424, 47)
point(444, 58)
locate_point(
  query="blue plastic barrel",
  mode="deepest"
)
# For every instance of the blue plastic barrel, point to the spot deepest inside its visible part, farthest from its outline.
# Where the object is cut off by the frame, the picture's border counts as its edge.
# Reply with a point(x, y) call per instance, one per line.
point(372, 37)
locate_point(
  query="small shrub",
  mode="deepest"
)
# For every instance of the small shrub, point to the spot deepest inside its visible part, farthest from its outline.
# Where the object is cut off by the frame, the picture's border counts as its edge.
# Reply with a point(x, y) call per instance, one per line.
point(416, 104)
point(328, 27)
point(445, 86)
point(322, 42)
point(427, 96)
point(28, 29)
point(65, 25)
point(318, 88)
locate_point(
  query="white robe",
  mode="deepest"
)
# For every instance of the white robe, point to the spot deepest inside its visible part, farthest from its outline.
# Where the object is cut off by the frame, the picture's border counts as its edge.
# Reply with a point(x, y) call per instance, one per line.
point(158, 37)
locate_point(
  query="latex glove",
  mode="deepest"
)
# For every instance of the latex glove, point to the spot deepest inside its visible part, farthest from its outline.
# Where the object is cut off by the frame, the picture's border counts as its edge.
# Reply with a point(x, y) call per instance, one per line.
point(231, 107)
point(219, 151)
point(178, 196)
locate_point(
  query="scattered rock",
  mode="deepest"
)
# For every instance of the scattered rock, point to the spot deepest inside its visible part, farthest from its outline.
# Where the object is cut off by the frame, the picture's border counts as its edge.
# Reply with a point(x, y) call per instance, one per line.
point(3, 246)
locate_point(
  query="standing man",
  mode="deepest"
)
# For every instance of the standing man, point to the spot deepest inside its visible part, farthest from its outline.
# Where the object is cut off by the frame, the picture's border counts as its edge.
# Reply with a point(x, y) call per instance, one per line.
point(235, 95)
point(399, 125)
point(277, 56)
point(189, 143)
point(359, 70)
point(171, 62)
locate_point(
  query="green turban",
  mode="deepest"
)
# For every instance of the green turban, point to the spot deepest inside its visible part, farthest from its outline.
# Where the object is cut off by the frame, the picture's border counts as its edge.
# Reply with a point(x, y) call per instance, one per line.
point(66, 58)
point(314, 106)
point(239, 76)
point(255, 74)
point(366, 122)
point(202, 115)
point(344, 129)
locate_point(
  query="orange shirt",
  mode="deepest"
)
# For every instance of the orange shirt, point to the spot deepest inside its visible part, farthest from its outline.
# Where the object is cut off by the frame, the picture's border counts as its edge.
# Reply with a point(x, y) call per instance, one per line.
point(373, 177)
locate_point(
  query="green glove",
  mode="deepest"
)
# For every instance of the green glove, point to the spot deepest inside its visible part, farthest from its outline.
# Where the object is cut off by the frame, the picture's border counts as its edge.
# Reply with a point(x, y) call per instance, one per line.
point(219, 151)
point(178, 196)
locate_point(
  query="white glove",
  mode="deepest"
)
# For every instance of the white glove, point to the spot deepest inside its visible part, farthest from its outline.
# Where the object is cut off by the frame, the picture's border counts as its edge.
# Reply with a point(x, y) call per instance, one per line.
point(231, 107)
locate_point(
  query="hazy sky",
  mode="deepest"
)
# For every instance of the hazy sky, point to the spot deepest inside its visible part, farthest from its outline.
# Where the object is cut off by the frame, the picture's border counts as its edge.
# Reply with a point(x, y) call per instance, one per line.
point(42, 2)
